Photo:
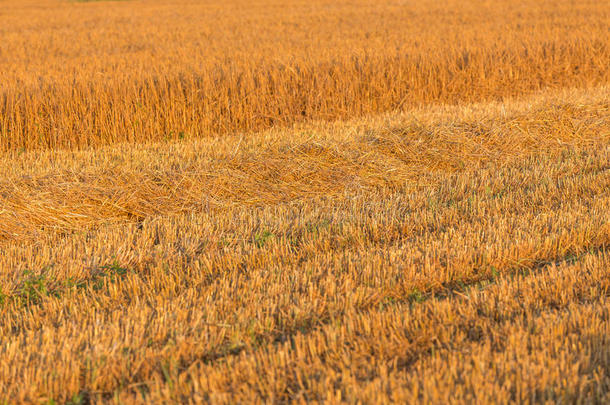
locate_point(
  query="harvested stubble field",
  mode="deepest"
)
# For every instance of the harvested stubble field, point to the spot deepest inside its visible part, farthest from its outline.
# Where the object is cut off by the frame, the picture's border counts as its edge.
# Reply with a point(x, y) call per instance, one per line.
point(297, 201)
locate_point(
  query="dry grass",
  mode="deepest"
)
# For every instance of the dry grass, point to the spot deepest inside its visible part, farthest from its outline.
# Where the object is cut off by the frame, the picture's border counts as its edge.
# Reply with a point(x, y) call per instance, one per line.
point(448, 252)
point(75, 75)
point(380, 253)
point(68, 190)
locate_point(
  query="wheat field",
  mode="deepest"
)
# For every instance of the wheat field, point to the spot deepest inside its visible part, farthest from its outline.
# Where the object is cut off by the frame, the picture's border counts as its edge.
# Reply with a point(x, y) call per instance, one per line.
point(304, 201)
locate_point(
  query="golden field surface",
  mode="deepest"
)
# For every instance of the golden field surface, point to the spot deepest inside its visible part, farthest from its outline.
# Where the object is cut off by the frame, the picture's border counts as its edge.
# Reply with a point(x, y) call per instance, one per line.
point(304, 201)
point(76, 74)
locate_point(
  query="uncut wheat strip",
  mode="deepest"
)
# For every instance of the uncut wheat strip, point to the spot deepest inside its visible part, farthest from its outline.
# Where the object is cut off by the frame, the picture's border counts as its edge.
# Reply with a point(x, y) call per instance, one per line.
point(587, 107)
point(191, 298)
point(164, 76)
point(592, 101)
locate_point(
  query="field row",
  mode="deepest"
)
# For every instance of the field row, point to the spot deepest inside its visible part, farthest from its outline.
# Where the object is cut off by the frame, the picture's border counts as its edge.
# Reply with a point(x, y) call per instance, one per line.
point(74, 75)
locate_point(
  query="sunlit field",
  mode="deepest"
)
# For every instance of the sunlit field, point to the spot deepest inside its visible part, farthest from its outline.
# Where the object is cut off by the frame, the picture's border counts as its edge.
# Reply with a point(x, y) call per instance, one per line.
point(304, 201)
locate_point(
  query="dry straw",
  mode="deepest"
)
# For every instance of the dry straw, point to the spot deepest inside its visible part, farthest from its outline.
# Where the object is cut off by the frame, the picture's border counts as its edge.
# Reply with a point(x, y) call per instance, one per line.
point(451, 250)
